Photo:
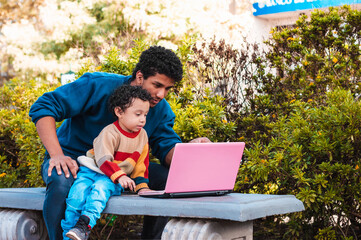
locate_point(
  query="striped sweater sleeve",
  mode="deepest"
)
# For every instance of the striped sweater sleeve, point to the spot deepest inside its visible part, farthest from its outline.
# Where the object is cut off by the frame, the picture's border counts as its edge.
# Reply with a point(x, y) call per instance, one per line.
point(140, 172)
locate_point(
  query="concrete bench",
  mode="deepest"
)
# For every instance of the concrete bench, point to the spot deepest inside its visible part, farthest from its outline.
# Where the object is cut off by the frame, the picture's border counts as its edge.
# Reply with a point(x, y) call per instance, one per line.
point(221, 217)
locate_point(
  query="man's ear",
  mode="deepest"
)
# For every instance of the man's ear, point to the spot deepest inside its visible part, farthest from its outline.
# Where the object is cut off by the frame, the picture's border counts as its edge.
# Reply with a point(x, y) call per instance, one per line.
point(138, 81)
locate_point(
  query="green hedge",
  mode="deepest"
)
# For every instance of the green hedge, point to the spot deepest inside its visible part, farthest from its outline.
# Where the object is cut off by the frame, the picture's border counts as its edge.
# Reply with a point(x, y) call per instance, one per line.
point(21, 151)
point(314, 154)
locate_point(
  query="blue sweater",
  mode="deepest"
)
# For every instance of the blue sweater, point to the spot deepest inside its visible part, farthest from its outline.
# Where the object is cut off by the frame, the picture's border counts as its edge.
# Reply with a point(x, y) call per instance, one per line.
point(84, 106)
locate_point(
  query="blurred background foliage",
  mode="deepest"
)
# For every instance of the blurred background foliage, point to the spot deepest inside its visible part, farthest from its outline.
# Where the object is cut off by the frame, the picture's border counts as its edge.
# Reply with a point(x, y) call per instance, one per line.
point(12, 10)
point(295, 104)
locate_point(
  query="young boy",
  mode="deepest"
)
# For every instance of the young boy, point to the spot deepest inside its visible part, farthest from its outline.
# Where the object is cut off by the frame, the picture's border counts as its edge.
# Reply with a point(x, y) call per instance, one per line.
point(119, 160)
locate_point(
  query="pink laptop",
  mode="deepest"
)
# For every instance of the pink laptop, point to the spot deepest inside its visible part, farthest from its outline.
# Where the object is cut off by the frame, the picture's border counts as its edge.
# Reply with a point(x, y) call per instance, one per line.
point(202, 169)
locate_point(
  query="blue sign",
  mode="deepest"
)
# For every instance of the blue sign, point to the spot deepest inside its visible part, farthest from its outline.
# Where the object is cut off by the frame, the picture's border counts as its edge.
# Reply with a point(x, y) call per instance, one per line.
point(67, 77)
point(264, 7)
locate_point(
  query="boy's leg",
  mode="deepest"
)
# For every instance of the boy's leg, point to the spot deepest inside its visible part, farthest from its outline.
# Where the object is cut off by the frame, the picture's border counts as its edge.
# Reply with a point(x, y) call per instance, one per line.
point(76, 199)
point(102, 189)
point(153, 226)
point(57, 188)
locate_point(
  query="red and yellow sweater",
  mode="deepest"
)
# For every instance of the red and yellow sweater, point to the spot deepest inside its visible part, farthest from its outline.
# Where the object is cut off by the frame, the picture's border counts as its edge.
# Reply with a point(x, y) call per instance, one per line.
point(117, 153)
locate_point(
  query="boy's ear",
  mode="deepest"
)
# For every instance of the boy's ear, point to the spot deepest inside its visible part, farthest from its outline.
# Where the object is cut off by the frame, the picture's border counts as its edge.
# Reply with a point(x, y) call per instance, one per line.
point(118, 111)
point(138, 81)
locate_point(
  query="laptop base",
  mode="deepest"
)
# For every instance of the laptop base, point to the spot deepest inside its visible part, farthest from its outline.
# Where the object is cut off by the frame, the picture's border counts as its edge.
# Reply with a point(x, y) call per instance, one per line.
point(162, 194)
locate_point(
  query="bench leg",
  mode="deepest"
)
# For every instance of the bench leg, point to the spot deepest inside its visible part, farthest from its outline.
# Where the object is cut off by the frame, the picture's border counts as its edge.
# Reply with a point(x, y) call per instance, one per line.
point(184, 229)
point(21, 224)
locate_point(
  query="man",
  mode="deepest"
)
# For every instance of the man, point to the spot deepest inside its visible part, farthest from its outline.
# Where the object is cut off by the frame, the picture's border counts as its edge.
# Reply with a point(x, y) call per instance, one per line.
point(83, 105)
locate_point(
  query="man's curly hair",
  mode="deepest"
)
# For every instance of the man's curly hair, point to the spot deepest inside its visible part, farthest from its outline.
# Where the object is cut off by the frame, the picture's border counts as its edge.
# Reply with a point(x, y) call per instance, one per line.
point(157, 59)
point(124, 96)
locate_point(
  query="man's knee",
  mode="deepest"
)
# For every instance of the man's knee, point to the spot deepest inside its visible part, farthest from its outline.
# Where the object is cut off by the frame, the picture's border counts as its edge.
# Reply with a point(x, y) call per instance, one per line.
point(59, 185)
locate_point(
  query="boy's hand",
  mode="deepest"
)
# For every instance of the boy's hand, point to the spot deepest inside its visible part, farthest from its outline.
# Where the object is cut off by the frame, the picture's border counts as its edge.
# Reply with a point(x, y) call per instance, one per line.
point(127, 182)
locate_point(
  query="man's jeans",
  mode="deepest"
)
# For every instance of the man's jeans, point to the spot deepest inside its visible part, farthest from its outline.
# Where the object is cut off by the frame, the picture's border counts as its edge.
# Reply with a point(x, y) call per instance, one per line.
point(153, 226)
point(58, 186)
point(88, 196)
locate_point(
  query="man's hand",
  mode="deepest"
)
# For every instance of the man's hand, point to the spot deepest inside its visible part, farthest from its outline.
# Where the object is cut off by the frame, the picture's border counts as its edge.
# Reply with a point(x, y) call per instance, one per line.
point(63, 162)
point(200, 140)
point(127, 182)
point(47, 132)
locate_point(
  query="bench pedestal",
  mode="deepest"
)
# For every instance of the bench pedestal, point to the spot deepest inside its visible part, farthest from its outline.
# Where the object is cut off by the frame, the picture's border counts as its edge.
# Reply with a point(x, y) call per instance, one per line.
point(19, 224)
point(184, 229)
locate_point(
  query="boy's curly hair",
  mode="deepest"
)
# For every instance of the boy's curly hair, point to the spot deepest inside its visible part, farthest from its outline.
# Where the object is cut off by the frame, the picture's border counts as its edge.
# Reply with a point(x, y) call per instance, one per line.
point(124, 96)
point(157, 59)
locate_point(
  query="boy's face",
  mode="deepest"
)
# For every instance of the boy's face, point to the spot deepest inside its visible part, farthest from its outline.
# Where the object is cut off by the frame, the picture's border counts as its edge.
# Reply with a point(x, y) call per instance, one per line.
point(134, 117)
point(158, 86)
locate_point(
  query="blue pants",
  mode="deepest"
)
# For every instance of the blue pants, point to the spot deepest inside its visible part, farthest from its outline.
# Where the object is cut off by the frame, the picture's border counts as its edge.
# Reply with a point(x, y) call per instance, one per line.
point(58, 186)
point(88, 196)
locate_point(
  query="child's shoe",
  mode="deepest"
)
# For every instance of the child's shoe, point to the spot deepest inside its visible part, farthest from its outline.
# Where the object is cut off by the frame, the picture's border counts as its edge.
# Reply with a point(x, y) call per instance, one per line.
point(81, 230)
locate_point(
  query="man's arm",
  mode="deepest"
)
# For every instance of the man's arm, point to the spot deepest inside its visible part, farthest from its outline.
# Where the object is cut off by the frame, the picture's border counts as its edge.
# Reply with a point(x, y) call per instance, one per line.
point(168, 158)
point(47, 132)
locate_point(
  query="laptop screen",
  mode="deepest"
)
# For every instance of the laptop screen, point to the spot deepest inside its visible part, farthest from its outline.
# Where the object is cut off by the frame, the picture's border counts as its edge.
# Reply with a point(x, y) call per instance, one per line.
point(204, 167)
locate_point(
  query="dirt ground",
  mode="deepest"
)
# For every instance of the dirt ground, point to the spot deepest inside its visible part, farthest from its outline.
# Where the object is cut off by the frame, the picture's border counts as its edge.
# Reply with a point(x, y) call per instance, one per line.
point(112, 227)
